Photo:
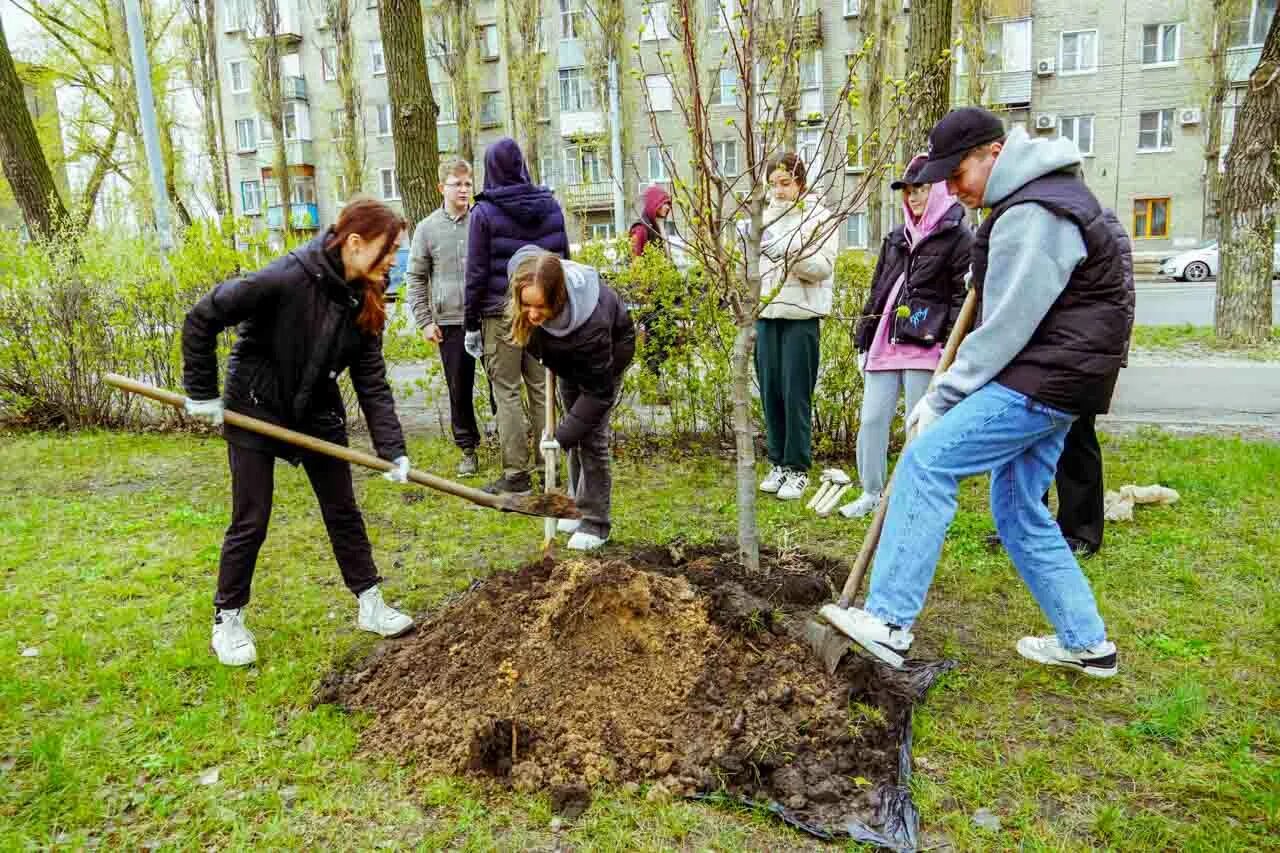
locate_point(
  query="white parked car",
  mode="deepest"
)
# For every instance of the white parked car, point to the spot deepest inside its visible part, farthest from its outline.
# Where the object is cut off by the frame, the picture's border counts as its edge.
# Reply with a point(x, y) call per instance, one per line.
point(1202, 264)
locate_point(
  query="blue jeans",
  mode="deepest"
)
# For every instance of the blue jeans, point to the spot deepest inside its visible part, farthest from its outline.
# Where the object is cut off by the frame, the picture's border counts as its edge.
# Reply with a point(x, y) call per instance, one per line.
point(1019, 441)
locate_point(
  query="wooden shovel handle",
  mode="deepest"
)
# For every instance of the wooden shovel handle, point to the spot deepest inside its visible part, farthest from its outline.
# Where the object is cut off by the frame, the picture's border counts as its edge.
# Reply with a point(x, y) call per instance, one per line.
point(964, 322)
point(317, 445)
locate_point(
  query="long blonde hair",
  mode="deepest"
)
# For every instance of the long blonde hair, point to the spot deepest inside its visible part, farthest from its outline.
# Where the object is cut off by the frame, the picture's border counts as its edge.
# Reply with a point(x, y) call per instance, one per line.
point(542, 268)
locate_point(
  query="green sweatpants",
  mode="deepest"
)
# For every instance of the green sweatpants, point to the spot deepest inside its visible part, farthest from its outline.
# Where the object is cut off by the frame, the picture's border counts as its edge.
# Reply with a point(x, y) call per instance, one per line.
point(787, 366)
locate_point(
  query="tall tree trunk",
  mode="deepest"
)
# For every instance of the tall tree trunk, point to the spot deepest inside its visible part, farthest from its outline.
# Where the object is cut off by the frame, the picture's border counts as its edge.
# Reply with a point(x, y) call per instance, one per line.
point(101, 166)
point(351, 144)
point(1217, 61)
point(222, 168)
point(973, 26)
point(929, 40)
point(1249, 200)
point(271, 100)
point(200, 71)
point(524, 73)
point(457, 55)
point(22, 157)
point(413, 108)
point(875, 25)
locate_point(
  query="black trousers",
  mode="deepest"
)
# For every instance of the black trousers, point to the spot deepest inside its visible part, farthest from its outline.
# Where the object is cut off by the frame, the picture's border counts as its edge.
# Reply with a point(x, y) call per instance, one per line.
point(460, 376)
point(1079, 482)
point(252, 484)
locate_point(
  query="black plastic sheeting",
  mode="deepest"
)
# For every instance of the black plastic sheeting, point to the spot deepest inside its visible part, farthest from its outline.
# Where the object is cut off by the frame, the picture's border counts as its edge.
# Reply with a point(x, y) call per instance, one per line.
point(896, 825)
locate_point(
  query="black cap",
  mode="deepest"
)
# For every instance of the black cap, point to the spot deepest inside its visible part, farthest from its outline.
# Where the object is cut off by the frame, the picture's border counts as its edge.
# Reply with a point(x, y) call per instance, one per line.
point(912, 174)
point(953, 137)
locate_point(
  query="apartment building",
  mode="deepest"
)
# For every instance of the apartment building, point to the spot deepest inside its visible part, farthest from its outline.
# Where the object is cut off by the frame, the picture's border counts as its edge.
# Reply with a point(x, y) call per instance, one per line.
point(1125, 79)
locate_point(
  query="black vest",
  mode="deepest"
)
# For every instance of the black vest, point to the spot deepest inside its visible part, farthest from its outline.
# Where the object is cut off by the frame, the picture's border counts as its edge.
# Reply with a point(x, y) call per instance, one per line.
point(1074, 356)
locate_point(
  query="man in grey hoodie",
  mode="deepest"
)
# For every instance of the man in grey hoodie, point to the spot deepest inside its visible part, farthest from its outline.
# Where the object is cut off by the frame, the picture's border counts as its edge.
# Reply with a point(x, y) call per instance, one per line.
point(1055, 280)
point(437, 294)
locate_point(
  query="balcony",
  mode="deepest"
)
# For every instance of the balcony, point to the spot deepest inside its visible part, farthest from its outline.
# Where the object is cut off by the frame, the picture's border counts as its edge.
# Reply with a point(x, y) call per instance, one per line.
point(586, 123)
point(295, 88)
point(304, 217)
point(1241, 61)
point(595, 195)
point(806, 30)
point(300, 152)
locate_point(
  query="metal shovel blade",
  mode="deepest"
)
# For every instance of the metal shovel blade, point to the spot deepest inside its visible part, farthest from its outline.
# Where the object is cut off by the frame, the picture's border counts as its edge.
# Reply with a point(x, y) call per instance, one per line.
point(827, 643)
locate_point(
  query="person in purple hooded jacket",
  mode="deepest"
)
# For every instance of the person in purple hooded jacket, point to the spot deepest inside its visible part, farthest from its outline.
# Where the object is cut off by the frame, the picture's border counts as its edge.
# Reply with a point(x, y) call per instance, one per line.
point(511, 212)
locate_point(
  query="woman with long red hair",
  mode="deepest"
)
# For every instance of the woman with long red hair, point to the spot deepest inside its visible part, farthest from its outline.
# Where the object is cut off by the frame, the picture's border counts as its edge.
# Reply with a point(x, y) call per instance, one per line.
point(301, 320)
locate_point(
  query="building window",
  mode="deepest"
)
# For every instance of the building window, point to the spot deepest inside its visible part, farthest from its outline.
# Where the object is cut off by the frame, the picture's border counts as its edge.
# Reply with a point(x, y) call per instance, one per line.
point(329, 63)
point(719, 14)
point(725, 155)
point(658, 87)
point(1079, 129)
point(576, 93)
point(657, 165)
point(443, 94)
point(266, 131)
point(582, 165)
point(547, 171)
point(1151, 217)
point(852, 8)
point(600, 231)
point(239, 72)
point(377, 58)
point(338, 123)
point(1248, 27)
point(384, 119)
point(297, 121)
point(302, 190)
point(390, 185)
point(1161, 44)
point(655, 22)
point(855, 148)
point(1078, 52)
point(246, 134)
point(1155, 130)
point(236, 15)
point(542, 104)
point(340, 191)
point(1008, 46)
point(490, 109)
point(724, 91)
point(855, 230)
point(570, 19)
point(808, 140)
point(250, 197)
point(811, 85)
point(489, 42)
point(271, 194)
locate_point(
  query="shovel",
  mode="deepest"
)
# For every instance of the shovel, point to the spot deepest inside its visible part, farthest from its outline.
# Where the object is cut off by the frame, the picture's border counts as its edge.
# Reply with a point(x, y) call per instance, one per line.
point(549, 462)
point(829, 643)
point(540, 506)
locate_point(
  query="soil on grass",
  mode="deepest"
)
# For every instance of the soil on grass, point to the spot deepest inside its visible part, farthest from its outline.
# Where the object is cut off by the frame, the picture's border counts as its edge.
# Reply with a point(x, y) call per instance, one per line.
point(679, 669)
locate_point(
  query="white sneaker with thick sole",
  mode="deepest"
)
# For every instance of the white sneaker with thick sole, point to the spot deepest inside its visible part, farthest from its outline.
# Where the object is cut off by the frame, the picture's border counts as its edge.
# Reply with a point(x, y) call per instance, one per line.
point(773, 480)
point(1097, 661)
point(793, 486)
point(232, 642)
point(866, 503)
point(568, 525)
point(584, 541)
point(379, 617)
point(887, 642)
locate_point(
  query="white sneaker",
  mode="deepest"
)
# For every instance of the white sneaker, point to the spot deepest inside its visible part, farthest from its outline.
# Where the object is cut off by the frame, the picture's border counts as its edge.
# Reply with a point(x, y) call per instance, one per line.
point(793, 486)
point(568, 525)
point(1097, 661)
point(232, 642)
point(887, 642)
point(773, 480)
point(378, 616)
point(866, 504)
point(584, 541)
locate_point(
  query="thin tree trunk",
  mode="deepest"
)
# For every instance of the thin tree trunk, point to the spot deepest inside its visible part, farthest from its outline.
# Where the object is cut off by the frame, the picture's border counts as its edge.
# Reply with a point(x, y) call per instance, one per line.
point(413, 108)
point(221, 168)
point(973, 31)
point(876, 26)
point(1249, 201)
point(101, 166)
point(22, 157)
point(271, 100)
point(1217, 61)
point(351, 145)
point(930, 38)
point(744, 440)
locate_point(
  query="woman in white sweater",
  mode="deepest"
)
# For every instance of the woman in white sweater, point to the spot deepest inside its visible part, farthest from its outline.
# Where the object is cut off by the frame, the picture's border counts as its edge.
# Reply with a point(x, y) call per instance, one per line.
point(797, 263)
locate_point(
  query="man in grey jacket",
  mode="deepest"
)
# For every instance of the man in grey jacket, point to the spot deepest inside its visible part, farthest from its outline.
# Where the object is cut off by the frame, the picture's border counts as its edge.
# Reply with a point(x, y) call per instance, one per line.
point(437, 293)
point(1054, 276)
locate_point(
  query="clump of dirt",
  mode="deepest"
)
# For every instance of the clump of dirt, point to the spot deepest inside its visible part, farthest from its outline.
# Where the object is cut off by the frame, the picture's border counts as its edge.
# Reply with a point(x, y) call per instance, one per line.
point(680, 669)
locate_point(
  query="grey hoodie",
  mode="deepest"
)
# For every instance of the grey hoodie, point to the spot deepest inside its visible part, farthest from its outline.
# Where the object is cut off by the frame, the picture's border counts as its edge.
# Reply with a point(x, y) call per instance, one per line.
point(436, 276)
point(581, 281)
point(1030, 260)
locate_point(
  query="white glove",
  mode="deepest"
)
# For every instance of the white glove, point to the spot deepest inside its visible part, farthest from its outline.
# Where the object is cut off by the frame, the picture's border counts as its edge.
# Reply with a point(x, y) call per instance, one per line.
point(922, 417)
point(549, 444)
point(473, 343)
point(205, 410)
point(400, 473)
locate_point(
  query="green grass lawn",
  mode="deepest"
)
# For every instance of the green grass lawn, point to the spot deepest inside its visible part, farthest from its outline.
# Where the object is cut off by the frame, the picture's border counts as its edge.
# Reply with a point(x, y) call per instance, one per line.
point(1193, 339)
point(111, 734)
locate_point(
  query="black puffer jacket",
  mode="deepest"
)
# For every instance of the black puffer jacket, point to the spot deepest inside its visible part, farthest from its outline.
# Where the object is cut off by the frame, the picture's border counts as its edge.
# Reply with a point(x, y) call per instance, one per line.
point(592, 358)
point(934, 289)
point(296, 332)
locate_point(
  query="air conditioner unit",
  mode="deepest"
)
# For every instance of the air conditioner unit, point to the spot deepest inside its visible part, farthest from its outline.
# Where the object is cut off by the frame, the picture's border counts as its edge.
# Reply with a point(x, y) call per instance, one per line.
point(1189, 115)
point(1045, 68)
point(322, 22)
point(1046, 121)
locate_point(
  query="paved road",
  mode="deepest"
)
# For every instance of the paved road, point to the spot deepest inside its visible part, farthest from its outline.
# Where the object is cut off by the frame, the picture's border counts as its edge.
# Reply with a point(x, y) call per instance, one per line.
point(1162, 302)
point(1216, 396)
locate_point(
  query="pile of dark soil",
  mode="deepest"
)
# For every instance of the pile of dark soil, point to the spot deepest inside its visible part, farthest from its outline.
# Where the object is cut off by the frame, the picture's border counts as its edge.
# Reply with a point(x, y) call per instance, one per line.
point(679, 669)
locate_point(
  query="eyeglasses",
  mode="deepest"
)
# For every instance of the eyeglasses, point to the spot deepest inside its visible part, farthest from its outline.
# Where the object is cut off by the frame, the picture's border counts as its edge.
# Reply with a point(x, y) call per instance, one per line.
point(453, 185)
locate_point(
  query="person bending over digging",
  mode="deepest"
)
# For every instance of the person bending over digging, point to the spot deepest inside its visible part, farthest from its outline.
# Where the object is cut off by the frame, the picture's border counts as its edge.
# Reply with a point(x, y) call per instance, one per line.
point(797, 265)
point(1051, 268)
point(302, 320)
point(916, 292)
point(579, 328)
